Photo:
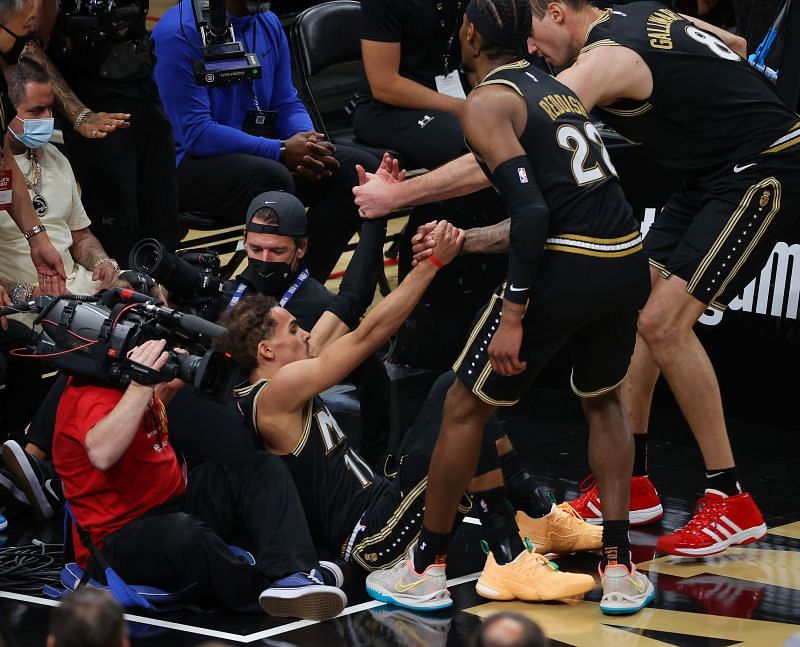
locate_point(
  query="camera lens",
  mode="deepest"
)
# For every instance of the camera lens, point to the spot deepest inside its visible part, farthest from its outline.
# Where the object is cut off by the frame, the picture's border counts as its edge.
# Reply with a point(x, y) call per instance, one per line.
point(146, 256)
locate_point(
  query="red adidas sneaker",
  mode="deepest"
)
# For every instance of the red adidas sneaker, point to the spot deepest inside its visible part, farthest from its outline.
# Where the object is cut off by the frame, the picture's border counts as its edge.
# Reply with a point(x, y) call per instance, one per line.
point(719, 521)
point(645, 506)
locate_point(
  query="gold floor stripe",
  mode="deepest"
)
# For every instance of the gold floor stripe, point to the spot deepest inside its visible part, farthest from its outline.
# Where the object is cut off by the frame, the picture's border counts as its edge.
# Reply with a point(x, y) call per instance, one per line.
point(791, 530)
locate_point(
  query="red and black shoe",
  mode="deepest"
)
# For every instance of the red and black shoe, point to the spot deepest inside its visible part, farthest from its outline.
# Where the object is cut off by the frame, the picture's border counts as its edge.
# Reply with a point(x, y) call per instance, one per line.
point(719, 521)
point(645, 505)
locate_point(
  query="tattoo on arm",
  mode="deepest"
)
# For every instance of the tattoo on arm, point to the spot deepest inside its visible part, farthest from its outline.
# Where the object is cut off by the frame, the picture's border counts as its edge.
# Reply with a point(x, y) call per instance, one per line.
point(87, 250)
point(487, 240)
point(67, 103)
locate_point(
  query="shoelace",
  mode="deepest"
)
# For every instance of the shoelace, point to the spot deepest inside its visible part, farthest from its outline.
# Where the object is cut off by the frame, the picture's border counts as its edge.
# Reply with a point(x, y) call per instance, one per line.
point(566, 507)
point(706, 513)
point(538, 558)
point(587, 489)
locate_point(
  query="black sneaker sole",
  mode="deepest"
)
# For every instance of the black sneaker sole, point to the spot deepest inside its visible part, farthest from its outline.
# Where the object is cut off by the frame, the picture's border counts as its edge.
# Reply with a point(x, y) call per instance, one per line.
point(316, 605)
point(17, 462)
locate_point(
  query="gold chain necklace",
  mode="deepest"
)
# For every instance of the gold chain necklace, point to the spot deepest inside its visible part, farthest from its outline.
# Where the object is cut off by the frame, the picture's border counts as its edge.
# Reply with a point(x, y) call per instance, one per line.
point(35, 182)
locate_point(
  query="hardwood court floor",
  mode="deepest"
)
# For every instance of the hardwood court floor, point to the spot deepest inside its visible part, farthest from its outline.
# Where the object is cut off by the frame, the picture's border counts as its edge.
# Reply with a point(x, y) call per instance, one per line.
point(747, 596)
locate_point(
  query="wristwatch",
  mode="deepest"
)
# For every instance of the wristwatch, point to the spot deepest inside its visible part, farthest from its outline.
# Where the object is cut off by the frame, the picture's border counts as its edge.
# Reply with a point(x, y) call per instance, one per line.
point(36, 229)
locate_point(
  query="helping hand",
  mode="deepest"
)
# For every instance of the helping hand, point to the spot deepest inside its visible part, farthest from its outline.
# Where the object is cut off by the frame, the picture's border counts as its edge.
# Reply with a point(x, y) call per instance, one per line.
point(97, 125)
point(375, 195)
point(448, 241)
point(423, 242)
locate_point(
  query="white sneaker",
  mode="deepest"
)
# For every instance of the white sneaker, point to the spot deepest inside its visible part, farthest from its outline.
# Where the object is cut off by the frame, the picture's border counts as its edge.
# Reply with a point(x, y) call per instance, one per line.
point(624, 591)
point(401, 585)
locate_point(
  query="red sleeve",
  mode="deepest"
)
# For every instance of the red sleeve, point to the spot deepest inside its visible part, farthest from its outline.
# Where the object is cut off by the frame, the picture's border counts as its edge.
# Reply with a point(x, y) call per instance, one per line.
point(94, 403)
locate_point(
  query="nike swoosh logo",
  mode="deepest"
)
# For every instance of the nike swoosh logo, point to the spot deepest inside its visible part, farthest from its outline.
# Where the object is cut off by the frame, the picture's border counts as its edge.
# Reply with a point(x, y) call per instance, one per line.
point(636, 585)
point(513, 289)
point(401, 587)
point(739, 169)
point(708, 476)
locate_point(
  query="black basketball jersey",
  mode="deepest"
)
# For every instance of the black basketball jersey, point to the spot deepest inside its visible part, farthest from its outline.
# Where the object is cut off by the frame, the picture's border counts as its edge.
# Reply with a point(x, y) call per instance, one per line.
point(572, 167)
point(708, 108)
point(335, 484)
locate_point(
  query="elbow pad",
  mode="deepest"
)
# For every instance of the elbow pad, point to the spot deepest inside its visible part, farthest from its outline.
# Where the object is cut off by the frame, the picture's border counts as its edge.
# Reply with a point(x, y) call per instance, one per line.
point(358, 284)
point(530, 217)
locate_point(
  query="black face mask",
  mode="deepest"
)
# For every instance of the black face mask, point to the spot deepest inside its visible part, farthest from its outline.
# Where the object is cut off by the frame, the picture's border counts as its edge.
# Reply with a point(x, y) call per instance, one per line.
point(270, 277)
point(12, 57)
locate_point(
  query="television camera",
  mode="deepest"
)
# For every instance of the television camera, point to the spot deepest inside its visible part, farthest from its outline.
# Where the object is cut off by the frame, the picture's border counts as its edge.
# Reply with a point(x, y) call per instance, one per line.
point(91, 336)
point(191, 278)
point(224, 60)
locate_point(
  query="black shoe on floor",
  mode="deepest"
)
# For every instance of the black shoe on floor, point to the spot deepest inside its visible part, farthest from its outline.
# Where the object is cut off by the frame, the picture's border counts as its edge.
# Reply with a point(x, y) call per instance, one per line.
point(36, 478)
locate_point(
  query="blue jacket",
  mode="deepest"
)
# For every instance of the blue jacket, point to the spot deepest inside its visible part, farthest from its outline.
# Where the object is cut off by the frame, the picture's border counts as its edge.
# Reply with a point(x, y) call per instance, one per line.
point(208, 121)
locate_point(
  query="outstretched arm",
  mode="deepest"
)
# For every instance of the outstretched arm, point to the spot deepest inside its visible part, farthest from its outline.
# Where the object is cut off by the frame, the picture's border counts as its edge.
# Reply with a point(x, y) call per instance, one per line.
point(295, 383)
point(94, 125)
point(379, 197)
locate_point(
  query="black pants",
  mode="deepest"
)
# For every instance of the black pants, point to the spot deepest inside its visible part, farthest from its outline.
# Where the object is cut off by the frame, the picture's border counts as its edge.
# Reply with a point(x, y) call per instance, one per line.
point(424, 138)
point(23, 387)
point(223, 187)
point(250, 502)
point(127, 180)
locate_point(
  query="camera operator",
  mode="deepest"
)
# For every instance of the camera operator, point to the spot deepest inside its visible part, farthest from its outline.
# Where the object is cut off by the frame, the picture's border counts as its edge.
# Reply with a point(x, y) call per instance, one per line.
point(276, 243)
point(128, 180)
point(155, 526)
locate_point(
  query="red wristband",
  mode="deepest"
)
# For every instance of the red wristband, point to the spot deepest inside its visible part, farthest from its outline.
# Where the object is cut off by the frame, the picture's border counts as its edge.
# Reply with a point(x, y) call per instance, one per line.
point(435, 261)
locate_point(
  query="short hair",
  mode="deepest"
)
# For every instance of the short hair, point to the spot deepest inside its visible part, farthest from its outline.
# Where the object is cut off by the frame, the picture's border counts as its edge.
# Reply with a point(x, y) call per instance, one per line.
point(19, 75)
point(530, 634)
point(88, 617)
point(247, 323)
point(9, 9)
point(539, 7)
point(513, 15)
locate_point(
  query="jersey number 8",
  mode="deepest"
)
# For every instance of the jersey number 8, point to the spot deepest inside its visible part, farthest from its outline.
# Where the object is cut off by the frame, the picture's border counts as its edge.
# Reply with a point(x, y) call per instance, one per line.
point(571, 138)
point(712, 42)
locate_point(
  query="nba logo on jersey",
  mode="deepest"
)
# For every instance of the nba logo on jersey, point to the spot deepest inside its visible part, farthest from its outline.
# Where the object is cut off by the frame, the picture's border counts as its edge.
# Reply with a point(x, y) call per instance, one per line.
point(523, 175)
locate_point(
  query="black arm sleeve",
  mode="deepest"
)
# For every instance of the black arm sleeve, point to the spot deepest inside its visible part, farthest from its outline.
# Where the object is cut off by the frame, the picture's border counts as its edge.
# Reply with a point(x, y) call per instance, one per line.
point(361, 276)
point(525, 204)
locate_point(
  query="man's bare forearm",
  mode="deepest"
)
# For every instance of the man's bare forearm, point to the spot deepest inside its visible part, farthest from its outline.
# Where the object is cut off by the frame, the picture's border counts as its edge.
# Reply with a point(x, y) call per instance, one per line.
point(86, 250)
point(67, 102)
point(461, 176)
point(487, 240)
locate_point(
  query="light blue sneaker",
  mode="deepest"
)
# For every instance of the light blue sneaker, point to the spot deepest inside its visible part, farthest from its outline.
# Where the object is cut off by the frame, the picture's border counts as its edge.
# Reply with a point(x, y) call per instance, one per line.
point(303, 595)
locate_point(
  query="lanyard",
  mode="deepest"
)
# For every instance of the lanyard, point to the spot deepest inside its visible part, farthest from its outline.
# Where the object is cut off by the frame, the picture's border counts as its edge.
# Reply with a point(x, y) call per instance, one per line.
point(298, 281)
point(301, 278)
point(237, 295)
point(440, 6)
point(252, 84)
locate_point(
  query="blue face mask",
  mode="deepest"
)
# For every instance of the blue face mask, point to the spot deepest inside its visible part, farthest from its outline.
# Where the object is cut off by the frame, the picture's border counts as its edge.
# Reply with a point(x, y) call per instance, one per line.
point(35, 132)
